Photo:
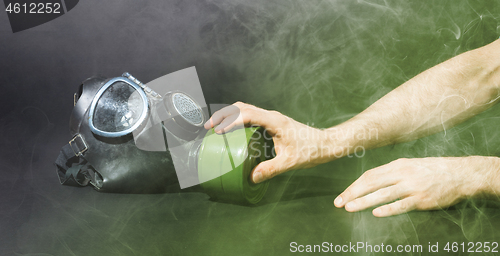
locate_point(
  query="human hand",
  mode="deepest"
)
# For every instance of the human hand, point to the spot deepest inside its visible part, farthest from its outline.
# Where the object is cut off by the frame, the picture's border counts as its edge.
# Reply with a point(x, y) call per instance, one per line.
point(421, 184)
point(296, 145)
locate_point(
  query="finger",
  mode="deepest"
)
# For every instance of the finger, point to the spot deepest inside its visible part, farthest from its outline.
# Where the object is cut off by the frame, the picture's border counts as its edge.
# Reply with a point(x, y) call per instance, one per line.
point(268, 169)
point(220, 115)
point(272, 121)
point(370, 181)
point(229, 123)
point(398, 207)
point(383, 195)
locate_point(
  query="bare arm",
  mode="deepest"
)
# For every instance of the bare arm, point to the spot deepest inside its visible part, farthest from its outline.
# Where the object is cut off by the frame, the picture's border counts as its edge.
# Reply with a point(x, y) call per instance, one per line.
point(436, 99)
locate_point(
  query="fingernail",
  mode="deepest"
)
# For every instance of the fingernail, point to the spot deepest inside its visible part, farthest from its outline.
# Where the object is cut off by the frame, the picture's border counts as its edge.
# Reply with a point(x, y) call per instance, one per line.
point(338, 201)
point(257, 177)
point(350, 206)
point(377, 212)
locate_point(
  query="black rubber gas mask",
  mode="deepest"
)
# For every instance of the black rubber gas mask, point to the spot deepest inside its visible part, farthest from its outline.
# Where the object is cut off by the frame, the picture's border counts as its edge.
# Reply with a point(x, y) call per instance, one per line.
point(133, 138)
point(116, 146)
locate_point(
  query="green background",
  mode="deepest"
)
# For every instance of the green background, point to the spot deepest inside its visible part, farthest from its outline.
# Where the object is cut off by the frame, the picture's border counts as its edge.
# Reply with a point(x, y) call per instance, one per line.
point(319, 62)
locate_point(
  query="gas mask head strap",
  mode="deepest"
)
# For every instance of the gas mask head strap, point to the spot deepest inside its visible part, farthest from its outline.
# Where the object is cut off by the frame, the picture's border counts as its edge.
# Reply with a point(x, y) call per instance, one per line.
point(71, 166)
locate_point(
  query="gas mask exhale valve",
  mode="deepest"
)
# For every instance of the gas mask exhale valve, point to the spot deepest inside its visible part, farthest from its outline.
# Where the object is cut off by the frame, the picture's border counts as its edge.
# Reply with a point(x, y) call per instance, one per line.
point(130, 137)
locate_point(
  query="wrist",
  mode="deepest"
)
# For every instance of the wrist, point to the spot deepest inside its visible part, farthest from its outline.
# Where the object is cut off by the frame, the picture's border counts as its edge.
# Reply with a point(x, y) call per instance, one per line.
point(338, 143)
point(484, 179)
point(491, 187)
point(351, 137)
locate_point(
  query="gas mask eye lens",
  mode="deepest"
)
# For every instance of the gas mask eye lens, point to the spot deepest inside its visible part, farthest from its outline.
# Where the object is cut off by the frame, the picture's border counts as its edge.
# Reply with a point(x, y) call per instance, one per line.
point(119, 107)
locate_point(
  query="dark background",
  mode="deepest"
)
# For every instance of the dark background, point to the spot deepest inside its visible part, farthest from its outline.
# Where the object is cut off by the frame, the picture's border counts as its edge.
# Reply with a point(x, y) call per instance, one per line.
point(320, 62)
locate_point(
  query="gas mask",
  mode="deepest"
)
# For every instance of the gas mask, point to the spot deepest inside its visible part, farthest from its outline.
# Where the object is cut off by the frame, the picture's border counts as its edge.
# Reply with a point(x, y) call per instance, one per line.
point(128, 137)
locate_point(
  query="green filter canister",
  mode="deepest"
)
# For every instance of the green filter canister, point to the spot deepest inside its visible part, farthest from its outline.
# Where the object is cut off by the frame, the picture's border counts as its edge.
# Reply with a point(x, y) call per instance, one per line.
point(220, 151)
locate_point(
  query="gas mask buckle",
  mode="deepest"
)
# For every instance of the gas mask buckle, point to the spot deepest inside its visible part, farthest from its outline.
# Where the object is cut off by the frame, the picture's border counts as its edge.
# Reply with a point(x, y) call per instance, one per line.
point(74, 143)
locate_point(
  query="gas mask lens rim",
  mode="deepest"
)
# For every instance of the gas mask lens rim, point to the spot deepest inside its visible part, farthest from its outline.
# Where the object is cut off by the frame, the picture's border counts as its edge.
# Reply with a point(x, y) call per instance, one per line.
point(99, 95)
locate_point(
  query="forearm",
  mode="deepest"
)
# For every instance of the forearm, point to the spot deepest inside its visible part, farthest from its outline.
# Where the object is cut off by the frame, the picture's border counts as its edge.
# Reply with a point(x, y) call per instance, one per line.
point(436, 99)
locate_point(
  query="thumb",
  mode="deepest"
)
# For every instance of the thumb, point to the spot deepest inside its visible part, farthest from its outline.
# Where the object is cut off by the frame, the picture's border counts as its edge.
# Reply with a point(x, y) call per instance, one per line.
point(268, 169)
